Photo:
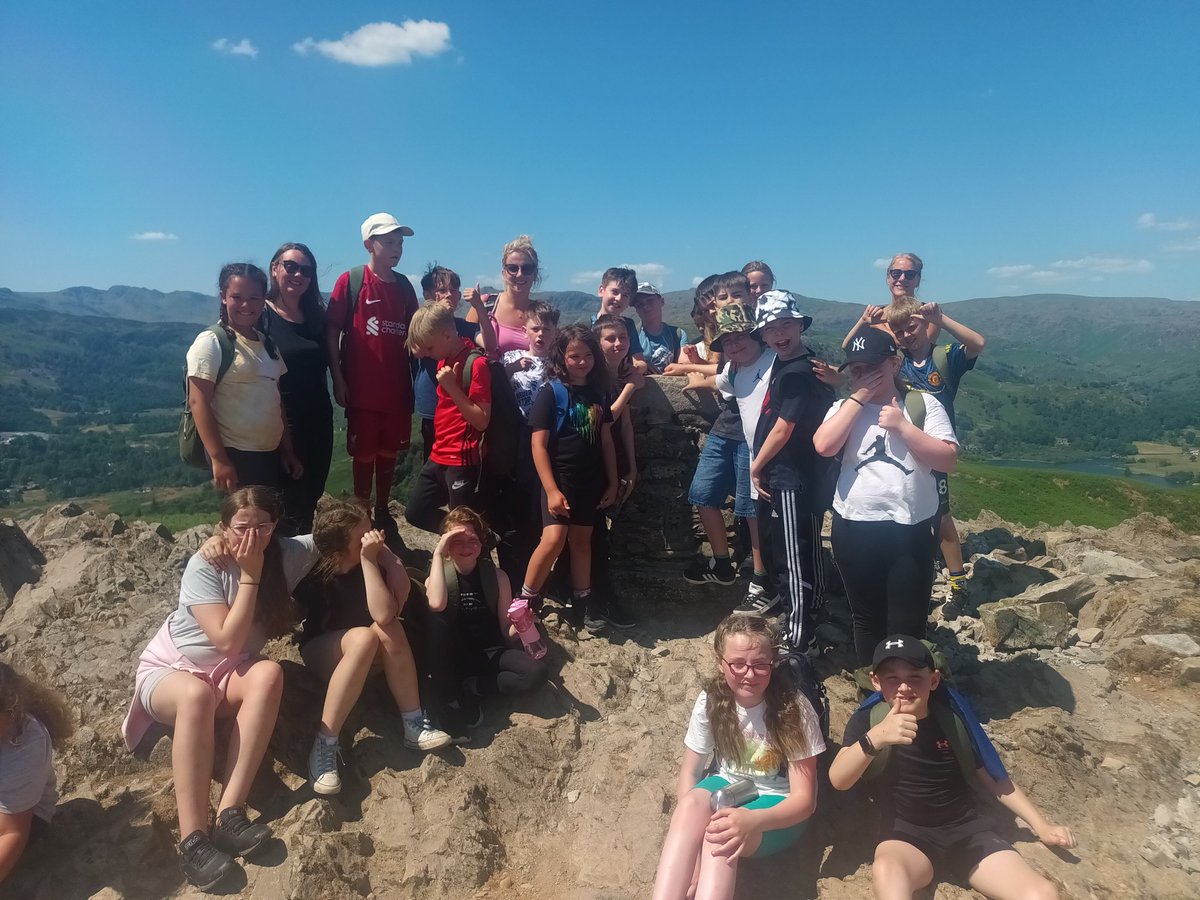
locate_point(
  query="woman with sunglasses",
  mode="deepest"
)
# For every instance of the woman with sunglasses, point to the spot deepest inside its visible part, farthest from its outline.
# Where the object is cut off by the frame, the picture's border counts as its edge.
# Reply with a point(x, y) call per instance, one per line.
point(295, 319)
point(205, 663)
point(903, 278)
point(520, 271)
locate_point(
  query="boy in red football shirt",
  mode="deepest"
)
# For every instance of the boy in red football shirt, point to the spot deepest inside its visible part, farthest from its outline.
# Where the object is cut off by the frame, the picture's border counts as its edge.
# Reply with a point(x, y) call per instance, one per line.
point(464, 408)
point(365, 335)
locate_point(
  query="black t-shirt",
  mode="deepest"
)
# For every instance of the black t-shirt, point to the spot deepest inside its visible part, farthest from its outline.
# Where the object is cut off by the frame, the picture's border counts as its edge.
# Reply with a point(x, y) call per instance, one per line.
point(795, 395)
point(477, 623)
point(729, 423)
point(303, 387)
point(923, 783)
point(333, 605)
point(575, 449)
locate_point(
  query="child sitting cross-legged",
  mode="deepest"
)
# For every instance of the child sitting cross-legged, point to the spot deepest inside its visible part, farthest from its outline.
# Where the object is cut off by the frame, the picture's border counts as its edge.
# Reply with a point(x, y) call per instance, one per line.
point(918, 747)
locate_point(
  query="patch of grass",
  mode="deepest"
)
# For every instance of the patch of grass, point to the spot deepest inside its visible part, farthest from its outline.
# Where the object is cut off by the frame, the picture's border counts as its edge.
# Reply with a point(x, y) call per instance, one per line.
point(1030, 496)
point(1162, 459)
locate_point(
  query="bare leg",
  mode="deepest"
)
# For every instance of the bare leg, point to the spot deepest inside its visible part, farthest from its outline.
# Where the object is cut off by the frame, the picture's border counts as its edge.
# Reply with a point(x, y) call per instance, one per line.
point(1005, 876)
point(547, 551)
point(755, 549)
point(714, 529)
point(190, 705)
point(253, 697)
point(343, 658)
point(899, 870)
point(681, 849)
point(399, 669)
point(951, 544)
point(579, 540)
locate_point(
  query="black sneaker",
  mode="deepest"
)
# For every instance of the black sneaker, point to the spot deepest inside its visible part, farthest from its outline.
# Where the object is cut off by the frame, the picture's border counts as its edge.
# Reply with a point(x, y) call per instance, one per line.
point(610, 611)
point(709, 570)
point(757, 603)
point(237, 835)
point(202, 863)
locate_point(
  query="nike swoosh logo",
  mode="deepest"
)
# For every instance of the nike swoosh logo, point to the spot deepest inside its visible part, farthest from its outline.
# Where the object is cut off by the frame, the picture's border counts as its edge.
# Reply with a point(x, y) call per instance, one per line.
point(376, 300)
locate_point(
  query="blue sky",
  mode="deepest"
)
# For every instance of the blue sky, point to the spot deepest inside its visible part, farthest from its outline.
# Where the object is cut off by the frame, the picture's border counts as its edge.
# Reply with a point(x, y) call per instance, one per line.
point(1018, 147)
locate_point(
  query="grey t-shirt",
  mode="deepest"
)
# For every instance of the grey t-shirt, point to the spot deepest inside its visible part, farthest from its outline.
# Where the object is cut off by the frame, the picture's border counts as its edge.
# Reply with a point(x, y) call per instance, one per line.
point(27, 772)
point(203, 583)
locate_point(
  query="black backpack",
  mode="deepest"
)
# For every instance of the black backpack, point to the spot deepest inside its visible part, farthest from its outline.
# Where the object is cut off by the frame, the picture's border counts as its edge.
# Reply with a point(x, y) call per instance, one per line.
point(798, 668)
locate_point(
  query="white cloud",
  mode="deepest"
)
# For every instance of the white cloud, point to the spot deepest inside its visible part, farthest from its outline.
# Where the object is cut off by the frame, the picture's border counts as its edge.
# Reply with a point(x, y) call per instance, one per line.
point(240, 48)
point(154, 236)
point(1192, 246)
point(696, 279)
point(1010, 271)
point(1152, 222)
point(881, 263)
point(648, 271)
point(382, 43)
point(1104, 265)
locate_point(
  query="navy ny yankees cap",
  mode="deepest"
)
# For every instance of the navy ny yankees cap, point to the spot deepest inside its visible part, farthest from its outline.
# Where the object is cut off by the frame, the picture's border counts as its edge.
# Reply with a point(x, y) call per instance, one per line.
point(869, 345)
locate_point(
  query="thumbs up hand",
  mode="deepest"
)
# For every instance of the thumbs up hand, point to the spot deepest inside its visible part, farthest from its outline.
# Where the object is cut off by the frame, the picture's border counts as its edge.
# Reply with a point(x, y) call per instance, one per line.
point(474, 297)
point(896, 728)
point(891, 416)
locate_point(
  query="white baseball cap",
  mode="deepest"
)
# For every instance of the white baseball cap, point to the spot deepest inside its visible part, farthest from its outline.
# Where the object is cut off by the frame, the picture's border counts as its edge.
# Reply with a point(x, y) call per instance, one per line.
point(383, 223)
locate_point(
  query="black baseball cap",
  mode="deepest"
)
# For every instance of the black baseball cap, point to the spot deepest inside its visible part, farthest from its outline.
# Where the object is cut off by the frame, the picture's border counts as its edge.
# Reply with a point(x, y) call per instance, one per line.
point(905, 647)
point(869, 345)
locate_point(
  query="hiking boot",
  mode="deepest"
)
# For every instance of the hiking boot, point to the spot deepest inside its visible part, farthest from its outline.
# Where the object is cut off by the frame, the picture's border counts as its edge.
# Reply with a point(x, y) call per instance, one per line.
point(710, 570)
point(323, 767)
point(757, 603)
point(958, 583)
point(235, 834)
point(423, 736)
point(608, 611)
point(575, 613)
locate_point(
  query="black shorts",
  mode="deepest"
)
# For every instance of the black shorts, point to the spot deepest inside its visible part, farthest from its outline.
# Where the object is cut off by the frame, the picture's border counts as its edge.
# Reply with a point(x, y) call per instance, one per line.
point(955, 849)
point(942, 480)
point(583, 500)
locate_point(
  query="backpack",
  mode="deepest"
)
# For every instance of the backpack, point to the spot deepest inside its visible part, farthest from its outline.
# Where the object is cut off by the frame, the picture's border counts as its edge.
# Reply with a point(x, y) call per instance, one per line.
point(355, 288)
point(561, 403)
point(798, 668)
point(191, 448)
point(499, 441)
point(949, 720)
point(487, 578)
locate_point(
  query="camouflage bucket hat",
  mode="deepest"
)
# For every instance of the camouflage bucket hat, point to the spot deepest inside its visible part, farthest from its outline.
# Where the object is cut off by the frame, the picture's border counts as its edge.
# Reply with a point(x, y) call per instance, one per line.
point(736, 318)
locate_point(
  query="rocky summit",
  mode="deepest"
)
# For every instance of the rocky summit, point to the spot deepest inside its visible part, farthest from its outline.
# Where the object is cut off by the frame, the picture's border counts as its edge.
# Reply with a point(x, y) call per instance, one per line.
point(1078, 647)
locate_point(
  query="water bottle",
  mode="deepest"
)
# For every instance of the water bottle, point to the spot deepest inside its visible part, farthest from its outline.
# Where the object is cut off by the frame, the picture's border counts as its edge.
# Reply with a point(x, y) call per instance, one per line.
point(522, 619)
point(735, 794)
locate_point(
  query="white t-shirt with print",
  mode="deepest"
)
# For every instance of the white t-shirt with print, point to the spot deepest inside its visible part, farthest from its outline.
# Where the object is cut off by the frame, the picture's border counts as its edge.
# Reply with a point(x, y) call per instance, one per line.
point(526, 382)
point(760, 762)
point(748, 386)
point(246, 400)
point(881, 481)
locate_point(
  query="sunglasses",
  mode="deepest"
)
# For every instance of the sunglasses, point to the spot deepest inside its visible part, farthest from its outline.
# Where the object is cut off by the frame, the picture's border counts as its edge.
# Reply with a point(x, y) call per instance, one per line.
point(741, 668)
point(904, 274)
point(520, 268)
point(292, 268)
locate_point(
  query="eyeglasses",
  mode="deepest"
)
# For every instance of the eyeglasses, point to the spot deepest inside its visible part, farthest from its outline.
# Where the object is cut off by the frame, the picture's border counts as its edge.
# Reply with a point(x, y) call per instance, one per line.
point(243, 530)
point(520, 268)
point(292, 268)
point(904, 274)
point(741, 668)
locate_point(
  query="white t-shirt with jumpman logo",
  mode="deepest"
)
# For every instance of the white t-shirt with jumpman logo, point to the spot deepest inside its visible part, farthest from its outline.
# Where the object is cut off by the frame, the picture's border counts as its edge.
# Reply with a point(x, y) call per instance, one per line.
point(881, 481)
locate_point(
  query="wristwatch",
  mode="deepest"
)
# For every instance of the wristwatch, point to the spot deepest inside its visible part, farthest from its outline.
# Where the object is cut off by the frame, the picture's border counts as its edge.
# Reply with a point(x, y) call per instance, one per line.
point(867, 747)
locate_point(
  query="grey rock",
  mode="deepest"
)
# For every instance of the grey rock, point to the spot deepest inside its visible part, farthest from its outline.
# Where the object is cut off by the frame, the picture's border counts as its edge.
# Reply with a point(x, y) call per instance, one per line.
point(1189, 669)
point(1074, 590)
point(1090, 635)
point(1179, 644)
point(1024, 627)
point(1109, 565)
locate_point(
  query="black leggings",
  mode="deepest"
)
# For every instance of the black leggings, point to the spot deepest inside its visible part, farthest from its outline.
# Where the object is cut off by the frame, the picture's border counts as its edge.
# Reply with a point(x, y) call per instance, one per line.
point(261, 467)
point(887, 569)
point(312, 441)
point(450, 659)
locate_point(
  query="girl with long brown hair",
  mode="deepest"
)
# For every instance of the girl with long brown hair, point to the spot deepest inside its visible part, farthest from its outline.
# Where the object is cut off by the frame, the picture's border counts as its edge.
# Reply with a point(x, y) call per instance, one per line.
point(205, 664)
point(34, 719)
point(758, 727)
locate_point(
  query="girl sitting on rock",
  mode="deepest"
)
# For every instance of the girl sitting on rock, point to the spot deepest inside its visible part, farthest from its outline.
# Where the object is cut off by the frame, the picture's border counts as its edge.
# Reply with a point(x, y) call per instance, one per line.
point(205, 664)
point(352, 605)
point(33, 719)
point(473, 649)
point(761, 729)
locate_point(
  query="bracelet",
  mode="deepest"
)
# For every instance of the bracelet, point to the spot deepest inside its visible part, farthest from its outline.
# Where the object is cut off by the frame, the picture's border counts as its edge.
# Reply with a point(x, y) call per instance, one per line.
point(868, 747)
point(856, 400)
point(247, 582)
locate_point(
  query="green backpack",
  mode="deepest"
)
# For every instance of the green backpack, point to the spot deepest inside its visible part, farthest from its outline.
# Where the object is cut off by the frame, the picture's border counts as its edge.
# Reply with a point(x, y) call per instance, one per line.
point(191, 448)
point(487, 577)
point(914, 400)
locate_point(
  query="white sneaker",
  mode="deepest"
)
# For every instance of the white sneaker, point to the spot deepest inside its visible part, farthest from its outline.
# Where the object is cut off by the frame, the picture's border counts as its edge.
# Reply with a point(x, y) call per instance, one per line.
point(322, 767)
point(423, 736)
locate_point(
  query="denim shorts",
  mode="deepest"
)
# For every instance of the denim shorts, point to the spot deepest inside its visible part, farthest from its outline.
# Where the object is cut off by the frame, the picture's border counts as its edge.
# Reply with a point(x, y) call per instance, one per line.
point(723, 471)
point(772, 841)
